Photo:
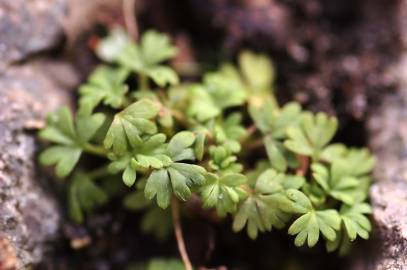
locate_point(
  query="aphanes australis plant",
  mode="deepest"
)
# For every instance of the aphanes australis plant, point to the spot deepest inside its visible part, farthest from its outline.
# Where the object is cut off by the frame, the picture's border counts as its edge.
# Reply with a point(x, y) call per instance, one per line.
point(224, 139)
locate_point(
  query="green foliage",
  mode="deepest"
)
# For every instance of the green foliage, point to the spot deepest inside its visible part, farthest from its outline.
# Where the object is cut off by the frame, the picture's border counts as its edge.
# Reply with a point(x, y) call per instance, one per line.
point(270, 203)
point(143, 58)
point(105, 85)
point(69, 139)
point(223, 192)
point(158, 264)
point(312, 135)
point(83, 196)
point(171, 141)
point(309, 225)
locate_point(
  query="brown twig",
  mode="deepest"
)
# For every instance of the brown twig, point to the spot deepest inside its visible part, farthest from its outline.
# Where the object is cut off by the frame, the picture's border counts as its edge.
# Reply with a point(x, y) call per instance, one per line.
point(178, 234)
point(251, 130)
point(129, 18)
point(304, 162)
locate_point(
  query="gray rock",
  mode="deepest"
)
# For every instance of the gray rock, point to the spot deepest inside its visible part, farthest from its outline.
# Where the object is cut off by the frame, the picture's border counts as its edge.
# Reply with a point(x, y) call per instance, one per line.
point(29, 216)
point(388, 140)
point(27, 27)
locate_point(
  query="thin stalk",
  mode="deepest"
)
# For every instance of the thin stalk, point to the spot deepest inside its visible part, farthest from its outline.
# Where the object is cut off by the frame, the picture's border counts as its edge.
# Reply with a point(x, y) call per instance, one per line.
point(95, 150)
point(274, 101)
point(99, 172)
point(130, 18)
point(304, 163)
point(143, 82)
point(178, 234)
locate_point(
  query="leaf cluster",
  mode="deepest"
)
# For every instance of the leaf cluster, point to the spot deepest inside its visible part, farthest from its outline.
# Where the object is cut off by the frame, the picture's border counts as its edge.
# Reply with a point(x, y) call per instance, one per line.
point(158, 139)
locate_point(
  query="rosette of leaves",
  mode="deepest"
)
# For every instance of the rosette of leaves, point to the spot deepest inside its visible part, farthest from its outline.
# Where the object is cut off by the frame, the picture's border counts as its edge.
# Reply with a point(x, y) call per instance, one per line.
point(136, 148)
point(267, 204)
point(143, 58)
point(158, 138)
point(69, 140)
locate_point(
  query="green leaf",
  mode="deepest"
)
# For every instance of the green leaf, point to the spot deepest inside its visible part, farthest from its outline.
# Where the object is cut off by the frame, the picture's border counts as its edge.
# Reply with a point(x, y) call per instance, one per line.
point(297, 202)
point(221, 90)
point(308, 226)
point(129, 176)
point(225, 87)
point(144, 58)
point(269, 182)
point(199, 149)
point(274, 122)
point(158, 184)
point(64, 157)
point(333, 152)
point(270, 204)
point(230, 130)
point(179, 147)
point(177, 178)
point(288, 116)
point(202, 107)
point(257, 69)
point(131, 58)
point(83, 196)
point(106, 85)
point(163, 75)
point(222, 159)
point(88, 125)
point(69, 139)
point(258, 214)
point(335, 182)
point(60, 128)
point(156, 48)
point(223, 192)
point(361, 161)
point(355, 221)
point(312, 136)
point(129, 124)
point(151, 152)
point(276, 153)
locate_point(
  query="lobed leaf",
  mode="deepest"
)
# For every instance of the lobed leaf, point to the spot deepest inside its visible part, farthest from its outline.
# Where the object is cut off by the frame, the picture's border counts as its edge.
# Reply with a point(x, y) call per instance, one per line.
point(129, 124)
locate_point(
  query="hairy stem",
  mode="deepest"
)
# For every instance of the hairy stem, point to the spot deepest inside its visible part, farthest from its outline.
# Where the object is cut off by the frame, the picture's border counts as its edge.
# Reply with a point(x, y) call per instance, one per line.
point(178, 234)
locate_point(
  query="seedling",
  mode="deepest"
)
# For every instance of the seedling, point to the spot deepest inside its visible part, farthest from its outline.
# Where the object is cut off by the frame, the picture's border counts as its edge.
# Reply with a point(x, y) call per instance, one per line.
point(224, 140)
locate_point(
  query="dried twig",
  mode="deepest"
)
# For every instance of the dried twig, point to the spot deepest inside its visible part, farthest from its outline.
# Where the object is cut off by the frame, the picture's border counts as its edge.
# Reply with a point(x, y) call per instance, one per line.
point(178, 234)
point(304, 162)
point(129, 18)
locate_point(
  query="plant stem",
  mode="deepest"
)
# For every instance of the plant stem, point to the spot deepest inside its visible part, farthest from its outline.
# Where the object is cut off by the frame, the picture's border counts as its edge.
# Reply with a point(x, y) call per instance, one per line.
point(143, 82)
point(99, 172)
point(303, 168)
point(95, 150)
point(129, 18)
point(274, 101)
point(178, 234)
point(179, 116)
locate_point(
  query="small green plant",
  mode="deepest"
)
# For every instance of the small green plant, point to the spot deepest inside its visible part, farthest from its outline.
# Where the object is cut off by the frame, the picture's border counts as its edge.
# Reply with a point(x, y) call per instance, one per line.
point(225, 140)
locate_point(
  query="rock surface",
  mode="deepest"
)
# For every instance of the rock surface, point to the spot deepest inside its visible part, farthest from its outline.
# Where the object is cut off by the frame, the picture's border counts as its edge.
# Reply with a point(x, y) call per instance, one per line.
point(29, 216)
point(27, 27)
point(388, 139)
